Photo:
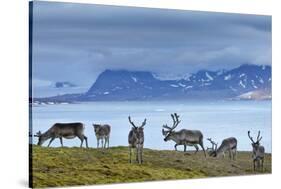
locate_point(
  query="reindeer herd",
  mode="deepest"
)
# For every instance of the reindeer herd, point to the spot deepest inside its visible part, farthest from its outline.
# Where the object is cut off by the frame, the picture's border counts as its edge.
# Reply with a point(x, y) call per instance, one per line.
point(136, 139)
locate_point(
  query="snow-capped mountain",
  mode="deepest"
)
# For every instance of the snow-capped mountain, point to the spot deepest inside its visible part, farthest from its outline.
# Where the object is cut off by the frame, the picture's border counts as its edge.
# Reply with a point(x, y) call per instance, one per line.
point(126, 85)
point(205, 84)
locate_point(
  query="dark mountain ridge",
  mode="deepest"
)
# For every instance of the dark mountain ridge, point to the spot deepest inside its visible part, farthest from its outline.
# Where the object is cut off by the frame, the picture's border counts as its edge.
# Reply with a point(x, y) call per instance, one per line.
point(122, 85)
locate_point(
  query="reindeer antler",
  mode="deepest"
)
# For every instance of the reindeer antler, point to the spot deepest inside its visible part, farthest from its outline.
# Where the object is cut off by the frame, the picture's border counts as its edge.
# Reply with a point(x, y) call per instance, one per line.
point(176, 121)
point(251, 138)
point(132, 123)
point(143, 123)
point(214, 144)
point(167, 127)
point(258, 137)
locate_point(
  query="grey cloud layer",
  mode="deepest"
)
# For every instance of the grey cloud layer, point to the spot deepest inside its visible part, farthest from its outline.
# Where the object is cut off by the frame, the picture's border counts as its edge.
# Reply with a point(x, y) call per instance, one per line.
point(76, 42)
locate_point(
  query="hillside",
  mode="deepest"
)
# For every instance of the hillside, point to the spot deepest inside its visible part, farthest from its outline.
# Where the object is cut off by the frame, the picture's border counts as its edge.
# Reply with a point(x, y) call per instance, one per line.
point(123, 85)
point(76, 166)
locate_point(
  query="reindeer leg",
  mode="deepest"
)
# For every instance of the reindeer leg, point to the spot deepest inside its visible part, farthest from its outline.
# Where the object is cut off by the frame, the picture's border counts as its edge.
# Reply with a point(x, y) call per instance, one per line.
point(197, 148)
point(141, 153)
point(258, 165)
point(184, 147)
point(137, 153)
point(61, 142)
point(202, 146)
point(51, 141)
point(235, 154)
point(176, 147)
point(86, 140)
point(82, 140)
point(107, 142)
point(98, 142)
point(102, 143)
point(130, 152)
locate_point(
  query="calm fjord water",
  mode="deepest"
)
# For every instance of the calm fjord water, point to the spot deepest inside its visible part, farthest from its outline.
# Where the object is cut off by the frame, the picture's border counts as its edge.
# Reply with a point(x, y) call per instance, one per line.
point(216, 119)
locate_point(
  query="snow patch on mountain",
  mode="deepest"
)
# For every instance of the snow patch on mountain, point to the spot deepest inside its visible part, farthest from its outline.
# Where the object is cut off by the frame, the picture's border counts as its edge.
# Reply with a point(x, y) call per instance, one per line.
point(253, 84)
point(134, 79)
point(172, 85)
point(242, 75)
point(242, 84)
point(227, 77)
point(209, 77)
point(188, 87)
point(182, 85)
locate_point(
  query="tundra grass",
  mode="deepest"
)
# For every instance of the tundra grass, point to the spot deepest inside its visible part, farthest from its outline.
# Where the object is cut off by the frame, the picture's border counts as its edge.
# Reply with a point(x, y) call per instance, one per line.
point(80, 166)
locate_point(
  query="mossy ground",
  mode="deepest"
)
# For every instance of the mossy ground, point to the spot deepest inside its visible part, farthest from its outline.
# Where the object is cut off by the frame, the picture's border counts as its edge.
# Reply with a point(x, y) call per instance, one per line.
point(81, 166)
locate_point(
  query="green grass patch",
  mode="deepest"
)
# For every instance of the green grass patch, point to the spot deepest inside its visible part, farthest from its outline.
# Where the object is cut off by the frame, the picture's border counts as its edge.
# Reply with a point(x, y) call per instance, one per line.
point(80, 166)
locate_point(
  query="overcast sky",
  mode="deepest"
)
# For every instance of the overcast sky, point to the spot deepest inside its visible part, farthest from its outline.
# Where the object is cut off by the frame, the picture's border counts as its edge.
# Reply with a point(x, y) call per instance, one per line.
point(76, 42)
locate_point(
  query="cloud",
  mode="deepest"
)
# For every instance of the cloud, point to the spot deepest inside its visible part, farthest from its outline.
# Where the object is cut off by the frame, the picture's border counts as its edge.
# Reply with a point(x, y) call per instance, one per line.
point(75, 42)
point(41, 83)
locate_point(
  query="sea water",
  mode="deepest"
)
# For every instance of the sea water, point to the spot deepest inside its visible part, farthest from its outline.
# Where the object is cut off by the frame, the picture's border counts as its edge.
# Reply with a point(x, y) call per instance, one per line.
point(215, 119)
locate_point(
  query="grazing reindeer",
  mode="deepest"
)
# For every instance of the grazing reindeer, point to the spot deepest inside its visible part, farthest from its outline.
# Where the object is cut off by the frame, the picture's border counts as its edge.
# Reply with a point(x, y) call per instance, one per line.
point(214, 147)
point(102, 133)
point(136, 140)
point(184, 136)
point(63, 130)
point(258, 152)
point(228, 144)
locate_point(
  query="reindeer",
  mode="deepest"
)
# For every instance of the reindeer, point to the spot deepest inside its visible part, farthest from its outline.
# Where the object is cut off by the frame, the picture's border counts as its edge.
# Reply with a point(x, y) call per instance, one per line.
point(228, 144)
point(210, 151)
point(184, 136)
point(136, 140)
point(258, 152)
point(102, 133)
point(63, 130)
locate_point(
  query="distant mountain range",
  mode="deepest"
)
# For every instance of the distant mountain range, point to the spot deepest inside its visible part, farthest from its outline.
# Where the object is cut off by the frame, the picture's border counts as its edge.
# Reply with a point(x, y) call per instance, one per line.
point(120, 85)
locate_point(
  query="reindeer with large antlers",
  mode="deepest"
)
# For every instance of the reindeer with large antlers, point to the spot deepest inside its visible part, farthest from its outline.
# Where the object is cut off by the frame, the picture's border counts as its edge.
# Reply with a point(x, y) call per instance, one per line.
point(184, 136)
point(136, 140)
point(258, 152)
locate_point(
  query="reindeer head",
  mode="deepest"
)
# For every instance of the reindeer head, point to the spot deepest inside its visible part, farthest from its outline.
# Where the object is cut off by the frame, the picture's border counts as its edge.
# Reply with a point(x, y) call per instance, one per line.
point(255, 144)
point(168, 133)
point(137, 130)
point(96, 127)
point(41, 138)
point(164, 133)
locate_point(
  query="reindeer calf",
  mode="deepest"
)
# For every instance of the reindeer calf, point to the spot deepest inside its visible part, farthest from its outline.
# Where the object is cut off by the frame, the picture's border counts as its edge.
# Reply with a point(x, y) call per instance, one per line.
point(102, 133)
